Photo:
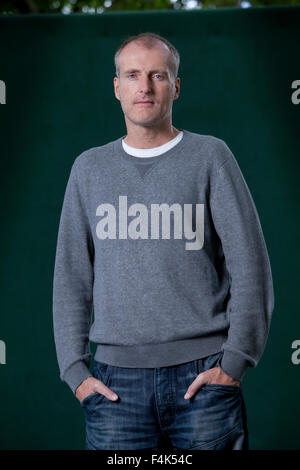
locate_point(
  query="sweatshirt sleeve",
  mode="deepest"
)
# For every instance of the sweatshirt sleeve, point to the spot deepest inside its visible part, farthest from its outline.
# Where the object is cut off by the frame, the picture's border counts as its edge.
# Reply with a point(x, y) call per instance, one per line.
point(251, 300)
point(73, 286)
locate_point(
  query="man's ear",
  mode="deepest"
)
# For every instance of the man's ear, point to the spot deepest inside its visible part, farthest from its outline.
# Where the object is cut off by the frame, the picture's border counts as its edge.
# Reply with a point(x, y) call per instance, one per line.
point(177, 88)
point(116, 88)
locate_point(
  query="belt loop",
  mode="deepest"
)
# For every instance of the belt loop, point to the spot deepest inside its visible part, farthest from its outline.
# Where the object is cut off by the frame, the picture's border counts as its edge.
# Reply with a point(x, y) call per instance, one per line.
point(199, 366)
point(220, 359)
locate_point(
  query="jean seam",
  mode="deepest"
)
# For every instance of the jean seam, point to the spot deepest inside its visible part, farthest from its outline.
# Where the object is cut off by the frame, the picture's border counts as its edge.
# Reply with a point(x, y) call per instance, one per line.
point(219, 439)
point(107, 372)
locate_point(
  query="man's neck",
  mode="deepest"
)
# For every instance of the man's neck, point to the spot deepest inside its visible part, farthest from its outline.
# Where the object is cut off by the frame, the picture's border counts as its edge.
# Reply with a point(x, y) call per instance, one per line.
point(150, 138)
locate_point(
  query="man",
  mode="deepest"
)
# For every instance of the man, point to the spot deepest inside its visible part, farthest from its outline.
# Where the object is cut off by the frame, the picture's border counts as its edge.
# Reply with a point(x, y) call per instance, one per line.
point(160, 237)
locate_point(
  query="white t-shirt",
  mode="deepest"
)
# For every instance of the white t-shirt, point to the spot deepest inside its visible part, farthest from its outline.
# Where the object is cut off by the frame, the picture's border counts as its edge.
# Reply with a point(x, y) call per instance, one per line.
point(144, 153)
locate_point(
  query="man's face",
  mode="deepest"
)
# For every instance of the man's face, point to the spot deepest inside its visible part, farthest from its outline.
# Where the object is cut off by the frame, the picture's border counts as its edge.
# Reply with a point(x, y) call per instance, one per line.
point(145, 76)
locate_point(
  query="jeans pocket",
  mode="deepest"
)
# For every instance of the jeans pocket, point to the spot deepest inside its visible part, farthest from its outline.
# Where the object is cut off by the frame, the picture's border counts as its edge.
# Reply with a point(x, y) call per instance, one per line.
point(87, 399)
point(101, 372)
point(208, 362)
point(222, 388)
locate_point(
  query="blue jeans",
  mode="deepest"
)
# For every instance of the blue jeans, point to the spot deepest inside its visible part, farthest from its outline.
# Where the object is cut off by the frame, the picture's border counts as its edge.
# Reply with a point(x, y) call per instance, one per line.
point(151, 412)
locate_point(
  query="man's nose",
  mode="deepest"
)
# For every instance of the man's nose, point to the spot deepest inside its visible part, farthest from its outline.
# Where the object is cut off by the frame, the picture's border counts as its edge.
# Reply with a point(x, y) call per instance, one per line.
point(145, 84)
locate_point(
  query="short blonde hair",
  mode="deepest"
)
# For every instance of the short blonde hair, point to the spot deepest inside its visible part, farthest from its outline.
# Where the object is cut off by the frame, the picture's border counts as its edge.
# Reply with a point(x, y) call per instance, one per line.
point(150, 40)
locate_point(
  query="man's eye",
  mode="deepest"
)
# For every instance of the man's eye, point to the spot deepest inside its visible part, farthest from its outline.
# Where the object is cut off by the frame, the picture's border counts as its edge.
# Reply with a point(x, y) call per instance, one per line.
point(156, 75)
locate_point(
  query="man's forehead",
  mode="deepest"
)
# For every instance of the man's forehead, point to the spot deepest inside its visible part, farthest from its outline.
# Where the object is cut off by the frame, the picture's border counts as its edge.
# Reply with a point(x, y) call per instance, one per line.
point(139, 45)
point(135, 50)
point(134, 58)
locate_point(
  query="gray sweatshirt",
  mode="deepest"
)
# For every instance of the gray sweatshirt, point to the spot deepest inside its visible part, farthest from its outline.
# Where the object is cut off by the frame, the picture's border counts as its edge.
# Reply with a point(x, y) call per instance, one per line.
point(160, 261)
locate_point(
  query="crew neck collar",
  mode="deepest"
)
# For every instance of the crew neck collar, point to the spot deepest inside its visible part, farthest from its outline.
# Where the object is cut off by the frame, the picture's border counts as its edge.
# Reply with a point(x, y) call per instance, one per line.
point(121, 152)
point(154, 151)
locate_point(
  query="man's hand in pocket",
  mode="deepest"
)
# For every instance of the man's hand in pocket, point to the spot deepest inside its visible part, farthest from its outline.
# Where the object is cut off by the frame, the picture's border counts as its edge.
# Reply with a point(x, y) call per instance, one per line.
point(211, 376)
point(92, 385)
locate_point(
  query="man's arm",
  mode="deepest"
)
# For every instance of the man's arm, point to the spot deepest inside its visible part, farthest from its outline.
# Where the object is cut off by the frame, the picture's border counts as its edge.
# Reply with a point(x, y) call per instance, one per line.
point(73, 286)
point(251, 300)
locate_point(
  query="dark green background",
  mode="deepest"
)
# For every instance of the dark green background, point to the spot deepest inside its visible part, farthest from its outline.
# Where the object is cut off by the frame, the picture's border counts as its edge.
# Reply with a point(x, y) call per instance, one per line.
point(237, 66)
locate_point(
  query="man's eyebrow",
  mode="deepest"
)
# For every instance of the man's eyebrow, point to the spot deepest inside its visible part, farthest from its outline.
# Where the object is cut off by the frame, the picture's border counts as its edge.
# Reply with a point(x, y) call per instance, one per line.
point(151, 71)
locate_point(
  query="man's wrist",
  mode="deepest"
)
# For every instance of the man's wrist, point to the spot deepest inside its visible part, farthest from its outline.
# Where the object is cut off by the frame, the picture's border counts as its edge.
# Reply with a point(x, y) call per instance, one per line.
point(79, 385)
point(76, 374)
point(234, 365)
point(230, 379)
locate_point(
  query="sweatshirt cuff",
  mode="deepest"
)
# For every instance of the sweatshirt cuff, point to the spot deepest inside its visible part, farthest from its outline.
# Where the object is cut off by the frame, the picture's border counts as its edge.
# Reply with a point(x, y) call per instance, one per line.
point(234, 365)
point(76, 374)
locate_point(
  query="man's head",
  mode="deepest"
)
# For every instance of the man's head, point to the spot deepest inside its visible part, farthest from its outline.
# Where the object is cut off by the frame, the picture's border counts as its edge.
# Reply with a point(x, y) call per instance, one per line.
point(146, 70)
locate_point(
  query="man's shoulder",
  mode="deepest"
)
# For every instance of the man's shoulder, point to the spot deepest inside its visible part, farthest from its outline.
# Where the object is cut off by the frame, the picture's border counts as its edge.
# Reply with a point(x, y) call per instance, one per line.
point(207, 139)
point(210, 146)
point(94, 154)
